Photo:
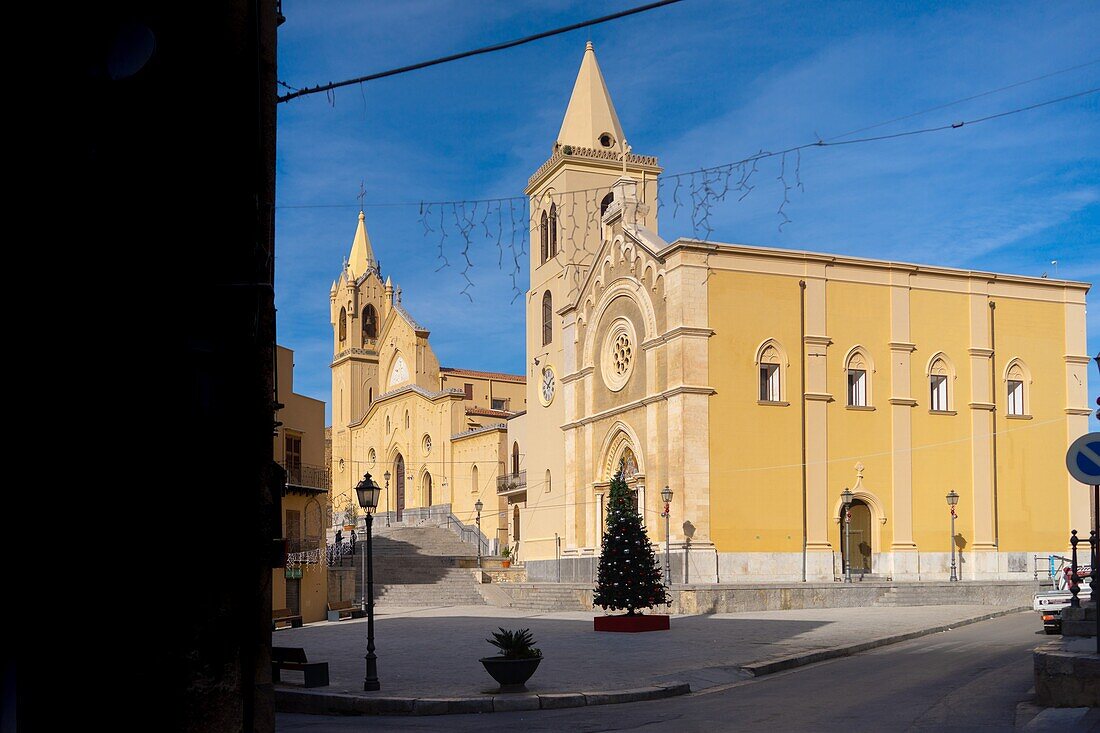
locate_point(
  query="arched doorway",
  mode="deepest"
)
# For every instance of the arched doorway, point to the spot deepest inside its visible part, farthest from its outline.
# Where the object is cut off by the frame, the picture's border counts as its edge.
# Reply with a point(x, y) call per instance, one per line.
point(427, 489)
point(399, 477)
point(859, 541)
point(515, 523)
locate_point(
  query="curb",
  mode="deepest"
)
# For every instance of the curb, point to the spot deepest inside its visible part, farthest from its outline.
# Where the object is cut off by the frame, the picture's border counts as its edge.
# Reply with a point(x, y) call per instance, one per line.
point(329, 703)
point(778, 664)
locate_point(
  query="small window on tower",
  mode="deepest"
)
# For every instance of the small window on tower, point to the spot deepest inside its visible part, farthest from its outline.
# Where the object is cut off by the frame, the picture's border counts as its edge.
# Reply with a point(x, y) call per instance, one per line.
point(606, 202)
point(606, 140)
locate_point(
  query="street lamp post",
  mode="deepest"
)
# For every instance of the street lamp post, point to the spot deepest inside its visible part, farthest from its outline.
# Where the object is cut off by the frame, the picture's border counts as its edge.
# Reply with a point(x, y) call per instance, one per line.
point(389, 506)
point(952, 500)
point(479, 506)
point(368, 491)
point(666, 497)
point(846, 497)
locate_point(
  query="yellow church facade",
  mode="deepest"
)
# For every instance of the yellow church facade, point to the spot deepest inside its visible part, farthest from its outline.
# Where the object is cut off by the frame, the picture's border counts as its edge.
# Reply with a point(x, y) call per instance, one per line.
point(760, 383)
point(435, 438)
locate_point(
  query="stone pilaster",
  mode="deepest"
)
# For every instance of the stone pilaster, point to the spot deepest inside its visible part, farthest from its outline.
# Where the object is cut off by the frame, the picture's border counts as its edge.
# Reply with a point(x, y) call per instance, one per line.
point(903, 548)
point(982, 409)
point(819, 561)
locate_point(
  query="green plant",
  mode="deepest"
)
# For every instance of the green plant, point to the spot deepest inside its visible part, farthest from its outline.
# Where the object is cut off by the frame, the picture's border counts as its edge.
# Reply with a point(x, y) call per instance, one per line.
point(514, 644)
point(506, 552)
point(351, 512)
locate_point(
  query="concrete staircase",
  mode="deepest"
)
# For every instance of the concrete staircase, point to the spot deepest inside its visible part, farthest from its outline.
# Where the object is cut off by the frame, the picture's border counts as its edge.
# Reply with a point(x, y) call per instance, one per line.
point(548, 596)
point(421, 567)
point(923, 594)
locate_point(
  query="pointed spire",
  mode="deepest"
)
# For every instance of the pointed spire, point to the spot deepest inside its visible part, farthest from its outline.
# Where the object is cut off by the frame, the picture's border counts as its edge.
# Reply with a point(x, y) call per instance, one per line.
point(590, 114)
point(362, 255)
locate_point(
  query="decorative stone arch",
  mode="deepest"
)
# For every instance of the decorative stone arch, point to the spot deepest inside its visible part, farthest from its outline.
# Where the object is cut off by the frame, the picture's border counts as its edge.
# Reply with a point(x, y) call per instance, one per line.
point(620, 437)
point(313, 523)
point(1017, 370)
point(622, 287)
point(397, 367)
point(425, 486)
point(940, 364)
point(770, 351)
point(858, 357)
point(874, 504)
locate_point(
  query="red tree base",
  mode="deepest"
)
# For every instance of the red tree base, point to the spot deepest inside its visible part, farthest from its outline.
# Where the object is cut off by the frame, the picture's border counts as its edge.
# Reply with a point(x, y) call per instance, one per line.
point(650, 622)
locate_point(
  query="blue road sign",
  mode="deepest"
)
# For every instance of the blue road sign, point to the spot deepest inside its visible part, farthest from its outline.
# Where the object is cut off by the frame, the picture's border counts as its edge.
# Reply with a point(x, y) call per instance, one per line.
point(1083, 459)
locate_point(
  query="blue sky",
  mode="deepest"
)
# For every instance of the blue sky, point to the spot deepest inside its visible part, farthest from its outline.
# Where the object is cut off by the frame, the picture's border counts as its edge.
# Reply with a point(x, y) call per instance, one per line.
point(700, 83)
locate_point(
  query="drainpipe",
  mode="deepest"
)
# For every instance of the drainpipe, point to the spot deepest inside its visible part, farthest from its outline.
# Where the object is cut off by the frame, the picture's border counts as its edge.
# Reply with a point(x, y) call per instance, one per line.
point(802, 380)
point(993, 388)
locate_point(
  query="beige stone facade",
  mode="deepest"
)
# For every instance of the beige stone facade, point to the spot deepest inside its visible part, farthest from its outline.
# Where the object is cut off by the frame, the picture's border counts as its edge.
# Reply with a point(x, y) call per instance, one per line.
point(433, 437)
point(759, 383)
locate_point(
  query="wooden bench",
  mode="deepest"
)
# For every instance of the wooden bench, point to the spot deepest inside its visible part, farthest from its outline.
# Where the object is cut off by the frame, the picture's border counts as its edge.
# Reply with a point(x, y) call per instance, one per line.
point(341, 610)
point(284, 616)
point(294, 658)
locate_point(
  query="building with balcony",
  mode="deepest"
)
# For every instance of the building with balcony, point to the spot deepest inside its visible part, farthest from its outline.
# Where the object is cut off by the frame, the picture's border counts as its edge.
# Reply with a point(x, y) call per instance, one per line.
point(302, 586)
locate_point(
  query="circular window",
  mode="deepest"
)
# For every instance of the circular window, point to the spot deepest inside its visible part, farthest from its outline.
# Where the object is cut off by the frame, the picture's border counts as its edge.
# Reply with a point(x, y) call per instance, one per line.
point(427, 444)
point(370, 458)
point(341, 465)
point(606, 140)
point(619, 354)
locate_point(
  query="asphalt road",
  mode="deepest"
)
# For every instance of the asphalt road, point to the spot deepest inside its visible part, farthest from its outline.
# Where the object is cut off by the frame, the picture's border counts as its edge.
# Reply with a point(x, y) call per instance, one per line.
point(968, 679)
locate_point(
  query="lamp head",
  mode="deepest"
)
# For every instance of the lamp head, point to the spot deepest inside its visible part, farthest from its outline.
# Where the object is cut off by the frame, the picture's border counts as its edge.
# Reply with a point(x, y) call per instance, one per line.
point(846, 496)
point(952, 498)
point(367, 492)
point(666, 495)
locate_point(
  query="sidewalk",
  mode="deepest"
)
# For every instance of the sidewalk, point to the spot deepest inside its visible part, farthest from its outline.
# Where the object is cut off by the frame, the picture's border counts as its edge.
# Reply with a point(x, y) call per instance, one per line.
point(433, 653)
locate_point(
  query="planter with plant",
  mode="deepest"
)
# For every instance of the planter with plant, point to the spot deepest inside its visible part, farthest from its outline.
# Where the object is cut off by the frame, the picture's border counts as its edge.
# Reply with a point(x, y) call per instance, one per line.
point(506, 555)
point(517, 661)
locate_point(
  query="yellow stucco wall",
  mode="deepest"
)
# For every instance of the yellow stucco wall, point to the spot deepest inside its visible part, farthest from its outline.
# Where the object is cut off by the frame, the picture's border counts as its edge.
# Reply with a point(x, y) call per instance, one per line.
point(756, 489)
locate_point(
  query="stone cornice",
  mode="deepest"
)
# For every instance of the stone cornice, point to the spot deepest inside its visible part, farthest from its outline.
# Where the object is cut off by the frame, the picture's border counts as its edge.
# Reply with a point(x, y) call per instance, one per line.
point(612, 157)
point(902, 346)
point(1076, 359)
point(976, 351)
point(903, 401)
point(678, 332)
point(635, 404)
point(819, 396)
point(579, 374)
point(833, 259)
point(817, 340)
point(354, 352)
point(1086, 411)
point(982, 406)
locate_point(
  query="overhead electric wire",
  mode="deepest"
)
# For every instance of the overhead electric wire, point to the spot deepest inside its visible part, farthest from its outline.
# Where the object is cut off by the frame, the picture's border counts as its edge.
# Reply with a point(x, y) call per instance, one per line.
point(475, 52)
point(971, 98)
point(763, 154)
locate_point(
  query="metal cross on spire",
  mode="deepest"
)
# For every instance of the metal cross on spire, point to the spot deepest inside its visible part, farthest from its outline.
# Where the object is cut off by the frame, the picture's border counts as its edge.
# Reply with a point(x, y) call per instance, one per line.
point(362, 194)
point(626, 152)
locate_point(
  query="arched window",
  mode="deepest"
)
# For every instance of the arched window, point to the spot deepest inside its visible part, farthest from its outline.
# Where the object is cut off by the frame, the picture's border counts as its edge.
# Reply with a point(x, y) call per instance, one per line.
point(515, 457)
point(553, 230)
point(427, 491)
point(544, 235)
point(370, 324)
point(387, 424)
point(859, 368)
point(771, 362)
point(406, 419)
point(343, 325)
point(370, 396)
point(941, 377)
point(547, 481)
point(1017, 389)
point(547, 318)
point(473, 480)
point(605, 202)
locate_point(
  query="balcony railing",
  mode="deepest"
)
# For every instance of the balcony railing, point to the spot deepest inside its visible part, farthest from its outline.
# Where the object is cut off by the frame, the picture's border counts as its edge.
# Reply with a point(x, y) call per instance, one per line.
point(510, 482)
point(302, 474)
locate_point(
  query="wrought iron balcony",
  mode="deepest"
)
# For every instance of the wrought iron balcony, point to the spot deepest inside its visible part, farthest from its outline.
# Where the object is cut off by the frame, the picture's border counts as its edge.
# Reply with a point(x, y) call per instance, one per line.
point(511, 483)
point(305, 476)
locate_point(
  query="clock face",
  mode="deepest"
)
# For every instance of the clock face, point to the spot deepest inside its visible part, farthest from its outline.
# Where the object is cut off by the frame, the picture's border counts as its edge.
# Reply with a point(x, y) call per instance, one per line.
point(548, 385)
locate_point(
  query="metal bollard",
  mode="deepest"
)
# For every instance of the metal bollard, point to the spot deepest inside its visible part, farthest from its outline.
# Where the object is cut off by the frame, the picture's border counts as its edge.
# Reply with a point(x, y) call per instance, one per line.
point(1074, 579)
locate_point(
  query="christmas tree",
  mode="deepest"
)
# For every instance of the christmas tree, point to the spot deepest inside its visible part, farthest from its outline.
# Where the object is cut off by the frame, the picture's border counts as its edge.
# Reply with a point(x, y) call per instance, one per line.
point(628, 576)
